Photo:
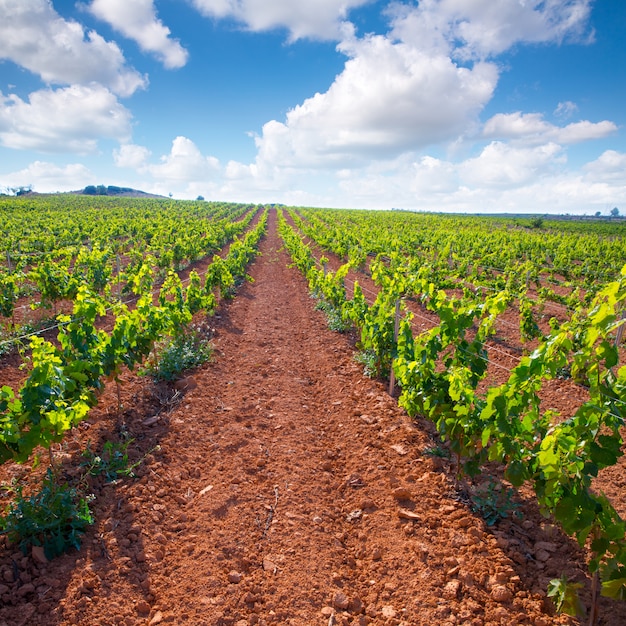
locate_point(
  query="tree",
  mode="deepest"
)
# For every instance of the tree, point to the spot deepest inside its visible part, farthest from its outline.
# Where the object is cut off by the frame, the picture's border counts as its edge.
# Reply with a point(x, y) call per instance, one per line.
point(200, 198)
point(598, 214)
point(615, 212)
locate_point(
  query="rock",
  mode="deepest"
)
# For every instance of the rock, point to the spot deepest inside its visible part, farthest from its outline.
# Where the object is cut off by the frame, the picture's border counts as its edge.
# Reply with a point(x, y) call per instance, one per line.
point(234, 577)
point(389, 612)
point(501, 594)
point(542, 556)
point(185, 384)
point(400, 449)
point(341, 601)
point(356, 605)
point(39, 555)
point(377, 554)
point(269, 565)
point(401, 493)
point(406, 514)
point(143, 608)
point(157, 618)
point(548, 546)
point(24, 590)
point(451, 590)
point(327, 611)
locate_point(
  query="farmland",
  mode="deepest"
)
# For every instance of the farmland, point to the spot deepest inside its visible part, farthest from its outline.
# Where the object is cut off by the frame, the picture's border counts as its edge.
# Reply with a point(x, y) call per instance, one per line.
point(277, 483)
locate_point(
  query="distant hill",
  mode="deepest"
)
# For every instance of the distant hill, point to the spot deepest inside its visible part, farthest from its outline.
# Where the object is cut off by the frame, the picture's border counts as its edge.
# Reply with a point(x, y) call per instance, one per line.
point(112, 190)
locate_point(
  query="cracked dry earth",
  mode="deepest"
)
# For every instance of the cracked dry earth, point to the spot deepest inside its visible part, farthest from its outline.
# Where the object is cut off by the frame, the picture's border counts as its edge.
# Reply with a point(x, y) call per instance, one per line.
point(287, 489)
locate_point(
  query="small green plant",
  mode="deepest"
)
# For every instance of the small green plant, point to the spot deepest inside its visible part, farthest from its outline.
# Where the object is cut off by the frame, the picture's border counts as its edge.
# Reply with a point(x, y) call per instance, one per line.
point(333, 316)
point(493, 503)
point(564, 594)
point(55, 518)
point(369, 361)
point(112, 463)
point(177, 354)
point(438, 451)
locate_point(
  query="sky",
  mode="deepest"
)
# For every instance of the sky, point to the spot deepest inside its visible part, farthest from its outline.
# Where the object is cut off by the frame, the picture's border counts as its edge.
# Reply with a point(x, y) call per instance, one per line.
point(475, 106)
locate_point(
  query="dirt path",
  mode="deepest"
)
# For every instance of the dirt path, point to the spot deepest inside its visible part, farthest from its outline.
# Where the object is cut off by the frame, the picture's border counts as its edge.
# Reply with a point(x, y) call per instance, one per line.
point(288, 489)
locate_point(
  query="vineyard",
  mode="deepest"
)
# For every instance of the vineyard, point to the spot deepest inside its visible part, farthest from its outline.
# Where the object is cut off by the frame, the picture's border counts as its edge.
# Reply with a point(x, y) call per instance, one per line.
point(235, 414)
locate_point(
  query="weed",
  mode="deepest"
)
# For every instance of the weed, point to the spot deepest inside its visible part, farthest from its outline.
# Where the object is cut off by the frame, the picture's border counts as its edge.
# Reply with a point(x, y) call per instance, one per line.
point(369, 361)
point(333, 316)
point(494, 503)
point(177, 354)
point(55, 518)
point(112, 463)
point(438, 451)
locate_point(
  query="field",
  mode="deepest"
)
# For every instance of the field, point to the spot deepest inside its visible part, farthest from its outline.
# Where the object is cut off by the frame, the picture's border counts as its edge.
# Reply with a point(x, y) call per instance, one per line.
point(277, 483)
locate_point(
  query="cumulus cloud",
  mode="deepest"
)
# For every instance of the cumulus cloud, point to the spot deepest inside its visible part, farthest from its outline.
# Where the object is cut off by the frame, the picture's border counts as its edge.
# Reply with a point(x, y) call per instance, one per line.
point(471, 29)
point(131, 156)
point(71, 119)
point(609, 166)
point(185, 163)
point(502, 165)
point(302, 18)
point(35, 37)
point(49, 177)
point(389, 98)
point(137, 20)
point(531, 128)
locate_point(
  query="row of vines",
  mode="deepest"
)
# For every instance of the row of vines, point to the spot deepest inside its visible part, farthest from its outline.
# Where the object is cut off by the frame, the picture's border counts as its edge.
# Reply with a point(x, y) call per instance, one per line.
point(122, 296)
point(440, 370)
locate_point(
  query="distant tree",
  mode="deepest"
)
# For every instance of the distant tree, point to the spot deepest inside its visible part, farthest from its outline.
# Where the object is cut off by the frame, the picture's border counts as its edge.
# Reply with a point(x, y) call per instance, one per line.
point(615, 212)
point(536, 222)
point(598, 214)
point(90, 190)
point(200, 198)
point(21, 191)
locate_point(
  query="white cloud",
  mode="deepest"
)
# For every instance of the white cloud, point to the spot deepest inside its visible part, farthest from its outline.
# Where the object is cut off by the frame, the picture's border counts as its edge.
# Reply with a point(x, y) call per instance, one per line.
point(35, 37)
point(389, 98)
point(137, 20)
point(185, 163)
point(71, 119)
point(532, 129)
point(566, 109)
point(49, 177)
point(131, 156)
point(472, 29)
point(319, 19)
point(609, 166)
point(503, 165)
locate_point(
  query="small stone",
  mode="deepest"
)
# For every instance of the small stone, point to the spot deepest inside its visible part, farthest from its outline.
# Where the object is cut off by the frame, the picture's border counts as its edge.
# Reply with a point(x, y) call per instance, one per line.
point(548, 546)
point(24, 590)
point(389, 612)
point(157, 618)
point(143, 608)
point(406, 514)
point(501, 594)
point(186, 384)
point(400, 449)
point(451, 590)
point(356, 605)
point(341, 601)
point(234, 577)
point(542, 556)
point(327, 611)
point(269, 565)
point(39, 555)
point(377, 554)
point(401, 493)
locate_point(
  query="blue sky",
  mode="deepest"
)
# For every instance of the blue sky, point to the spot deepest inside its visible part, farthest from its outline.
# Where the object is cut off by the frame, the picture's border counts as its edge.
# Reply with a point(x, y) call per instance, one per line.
point(443, 105)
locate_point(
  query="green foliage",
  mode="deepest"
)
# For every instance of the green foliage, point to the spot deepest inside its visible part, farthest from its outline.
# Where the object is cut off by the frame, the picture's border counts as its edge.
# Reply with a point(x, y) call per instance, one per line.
point(55, 518)
point(494, 502)
point(112, 462)
point(175, 355)
point(564, 594)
